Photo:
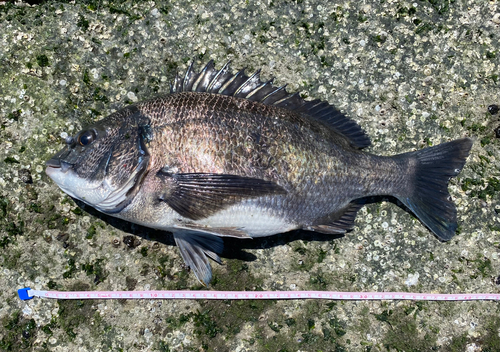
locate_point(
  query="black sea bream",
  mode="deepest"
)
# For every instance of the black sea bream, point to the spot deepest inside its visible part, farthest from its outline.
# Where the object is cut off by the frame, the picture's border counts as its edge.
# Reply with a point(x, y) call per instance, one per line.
point(228, 155)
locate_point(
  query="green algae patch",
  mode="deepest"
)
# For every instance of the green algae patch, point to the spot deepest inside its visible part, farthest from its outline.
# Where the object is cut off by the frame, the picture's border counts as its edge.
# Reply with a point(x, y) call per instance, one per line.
point(42, 60)
point(489, 339)
point(305, 257)
point(405, 332)
point(317, 328)
point(10, 225)
point(217, 320)
point(96, 270)
point(19, 333)
point(92, 231)
point(71, 268)
point(482, 267)
point(74, 313)
point(166, 269)
point(478, 189)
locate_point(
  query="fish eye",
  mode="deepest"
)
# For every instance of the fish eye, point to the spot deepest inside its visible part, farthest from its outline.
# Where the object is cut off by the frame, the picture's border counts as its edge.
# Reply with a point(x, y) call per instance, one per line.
point(86, 137)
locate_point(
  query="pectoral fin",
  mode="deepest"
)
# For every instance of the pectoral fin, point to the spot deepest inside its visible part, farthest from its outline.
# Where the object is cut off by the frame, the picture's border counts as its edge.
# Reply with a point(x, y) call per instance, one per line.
point(199, 195)
point(195, 247)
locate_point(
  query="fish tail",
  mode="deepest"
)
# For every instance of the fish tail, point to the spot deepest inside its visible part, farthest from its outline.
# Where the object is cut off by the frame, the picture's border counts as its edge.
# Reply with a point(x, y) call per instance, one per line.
point(428, 196)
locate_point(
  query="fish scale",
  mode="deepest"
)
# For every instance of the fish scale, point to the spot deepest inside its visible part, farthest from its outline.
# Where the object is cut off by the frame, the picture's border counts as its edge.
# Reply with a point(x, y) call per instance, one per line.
point(228, 155)
point(195, 134)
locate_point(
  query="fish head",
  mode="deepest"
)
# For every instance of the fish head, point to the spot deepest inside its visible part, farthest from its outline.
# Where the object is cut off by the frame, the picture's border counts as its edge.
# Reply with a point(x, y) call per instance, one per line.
point(104, 164)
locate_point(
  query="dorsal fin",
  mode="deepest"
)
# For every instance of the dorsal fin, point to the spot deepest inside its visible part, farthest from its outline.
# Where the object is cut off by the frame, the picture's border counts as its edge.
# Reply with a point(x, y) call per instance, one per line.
point(239, 85)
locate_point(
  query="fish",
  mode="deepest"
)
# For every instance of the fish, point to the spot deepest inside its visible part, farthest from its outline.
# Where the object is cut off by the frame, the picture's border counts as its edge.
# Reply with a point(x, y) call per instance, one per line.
point(229, 155)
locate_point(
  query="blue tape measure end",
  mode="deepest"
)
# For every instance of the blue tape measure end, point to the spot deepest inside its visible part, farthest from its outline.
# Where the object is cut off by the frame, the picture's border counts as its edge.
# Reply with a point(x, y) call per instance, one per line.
point(23, 294)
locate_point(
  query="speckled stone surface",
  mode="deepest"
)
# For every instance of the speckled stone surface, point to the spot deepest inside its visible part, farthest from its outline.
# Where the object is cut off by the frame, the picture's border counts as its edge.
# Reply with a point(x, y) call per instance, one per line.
point(411, 73)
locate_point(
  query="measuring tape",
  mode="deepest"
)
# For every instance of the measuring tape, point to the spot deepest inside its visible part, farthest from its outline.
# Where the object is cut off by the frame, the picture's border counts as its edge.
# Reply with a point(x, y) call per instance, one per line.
point(27, 293)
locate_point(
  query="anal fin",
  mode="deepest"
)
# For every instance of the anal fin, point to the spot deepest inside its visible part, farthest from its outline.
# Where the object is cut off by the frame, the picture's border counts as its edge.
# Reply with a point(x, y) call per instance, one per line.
point(344, 223)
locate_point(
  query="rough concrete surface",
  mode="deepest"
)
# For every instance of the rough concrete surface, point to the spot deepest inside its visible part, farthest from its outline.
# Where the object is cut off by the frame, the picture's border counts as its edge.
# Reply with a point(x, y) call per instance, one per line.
point(412, 73)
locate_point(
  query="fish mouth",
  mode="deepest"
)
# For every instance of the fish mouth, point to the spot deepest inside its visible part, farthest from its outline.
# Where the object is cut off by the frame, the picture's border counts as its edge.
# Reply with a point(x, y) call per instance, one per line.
point(57, 164)
point(60, 171)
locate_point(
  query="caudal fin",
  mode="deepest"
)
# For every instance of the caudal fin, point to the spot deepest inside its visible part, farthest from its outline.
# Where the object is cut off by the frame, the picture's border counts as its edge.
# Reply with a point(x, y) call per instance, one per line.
point(429, 199)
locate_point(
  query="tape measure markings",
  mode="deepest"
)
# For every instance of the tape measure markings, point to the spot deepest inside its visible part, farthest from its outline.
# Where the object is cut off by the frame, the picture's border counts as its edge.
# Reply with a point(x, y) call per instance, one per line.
point(27, 293)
